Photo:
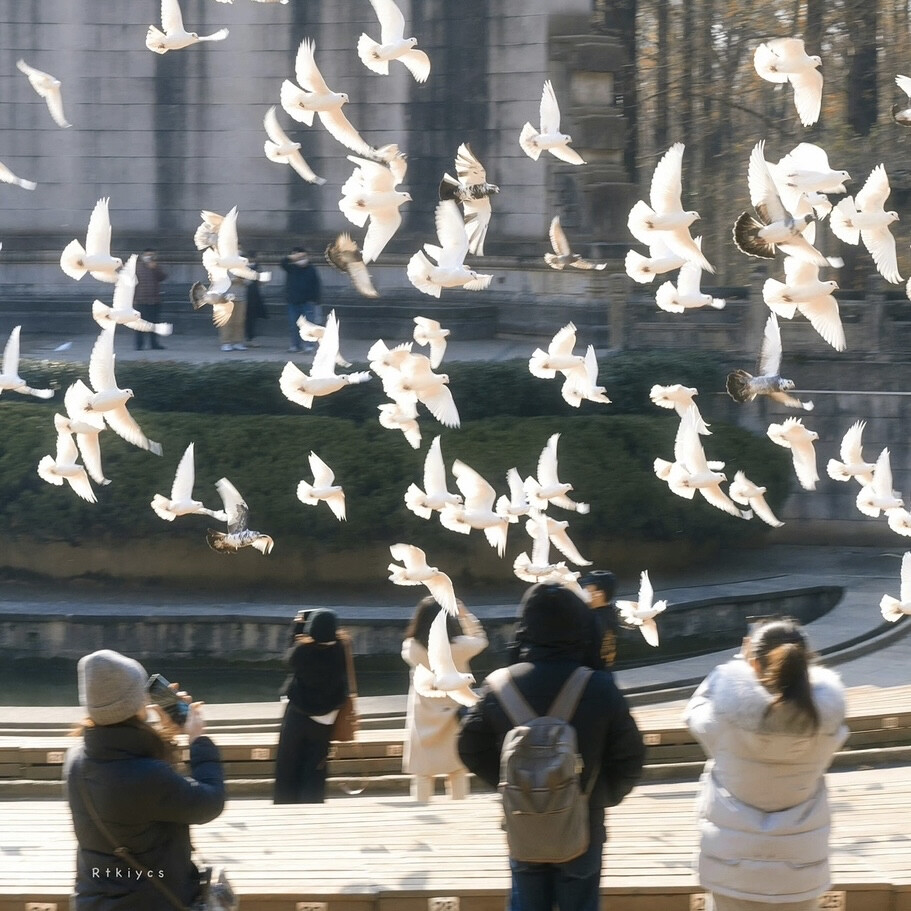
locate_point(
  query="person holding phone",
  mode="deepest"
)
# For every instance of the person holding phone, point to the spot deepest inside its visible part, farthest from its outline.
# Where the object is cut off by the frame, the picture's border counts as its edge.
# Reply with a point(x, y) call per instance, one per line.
point(124, 791)
point(770, 722)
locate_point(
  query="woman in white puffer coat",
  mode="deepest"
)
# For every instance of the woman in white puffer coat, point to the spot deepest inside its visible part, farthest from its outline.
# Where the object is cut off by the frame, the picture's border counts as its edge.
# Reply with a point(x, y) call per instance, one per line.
point(770, 722)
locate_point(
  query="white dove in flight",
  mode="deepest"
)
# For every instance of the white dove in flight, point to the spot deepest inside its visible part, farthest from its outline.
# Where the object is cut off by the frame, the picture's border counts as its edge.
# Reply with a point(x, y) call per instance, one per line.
point(537, 567)
point(687, 294)
point(175, 36)
point(666, 220)
point(301, 388)
point(314, 332)
point(895, 608)
point(64, 467)
point(85, 425)
point(516, 504)
point(878, 496)
point(547, 488)
point(775, 227)
point(322, 488)
point(402, 416)
point(416, 571)
point(226, 252)
point(370, 193)
point(122, 312)
point(434, 497)
point(181, 502)
point(583, 385)
point(280, 149)
point(559, 357)
point(548, 138)
point(680, 399)
point(238, 534)
point(802, 290)
point(48, 88)
point(791, 434)
point(393, 45)
point(95, 258)
point(10, 381)
point(660, 259)
point(477, 511)
point(111, 401)
point(786, 60)
point(7, 176)
point(206, 234)
point(450, 270)
point(852, 464)
point(864, 218)
point(559, 537)
point(443, 678)
point(314, 97)
point(742, 490)
point(471, 188)
point(414, 381)
point(429, 332)
point(642, 613)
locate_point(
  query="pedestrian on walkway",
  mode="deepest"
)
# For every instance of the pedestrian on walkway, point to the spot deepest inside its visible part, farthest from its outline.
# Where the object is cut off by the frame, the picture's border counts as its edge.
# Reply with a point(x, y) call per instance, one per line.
point(601, 586)
point(231, 334)
point(149, 276)
point(432, 723)
point(555, 633)
point(256, 307)
point(770, 721)
point(124, 792)
point(316, 690)
point(302, 291)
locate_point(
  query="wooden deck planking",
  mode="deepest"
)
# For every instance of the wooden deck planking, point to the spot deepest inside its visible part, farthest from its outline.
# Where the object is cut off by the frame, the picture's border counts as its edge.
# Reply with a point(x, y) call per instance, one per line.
point(389, 846)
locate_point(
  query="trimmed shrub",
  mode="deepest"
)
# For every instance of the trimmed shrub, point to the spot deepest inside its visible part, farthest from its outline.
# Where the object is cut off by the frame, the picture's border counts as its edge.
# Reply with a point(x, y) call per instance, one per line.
point(608, 459)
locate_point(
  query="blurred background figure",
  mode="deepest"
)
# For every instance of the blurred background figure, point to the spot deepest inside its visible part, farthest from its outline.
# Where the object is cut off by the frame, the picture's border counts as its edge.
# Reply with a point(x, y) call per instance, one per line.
point(601, 585)
point(432, 723)
point(149, 276)
point(256, 306)
point(302, 292)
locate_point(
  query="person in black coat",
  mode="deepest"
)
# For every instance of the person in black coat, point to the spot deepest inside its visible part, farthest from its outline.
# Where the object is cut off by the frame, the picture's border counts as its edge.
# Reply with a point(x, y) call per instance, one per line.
point(555, 633)
point(123, 768)
point(302, 291)
point(316, 689)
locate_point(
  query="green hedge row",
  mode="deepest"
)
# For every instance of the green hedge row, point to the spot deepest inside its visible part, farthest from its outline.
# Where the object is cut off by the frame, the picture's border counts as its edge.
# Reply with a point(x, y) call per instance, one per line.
point(607, 457)
point(481, 390)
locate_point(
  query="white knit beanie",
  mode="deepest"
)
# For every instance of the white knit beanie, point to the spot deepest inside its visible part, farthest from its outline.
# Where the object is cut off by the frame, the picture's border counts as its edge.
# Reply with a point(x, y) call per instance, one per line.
point(112, 687)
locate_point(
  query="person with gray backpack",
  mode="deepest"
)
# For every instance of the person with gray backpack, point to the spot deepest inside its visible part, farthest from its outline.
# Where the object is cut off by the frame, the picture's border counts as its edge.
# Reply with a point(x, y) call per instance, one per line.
point(556, 738)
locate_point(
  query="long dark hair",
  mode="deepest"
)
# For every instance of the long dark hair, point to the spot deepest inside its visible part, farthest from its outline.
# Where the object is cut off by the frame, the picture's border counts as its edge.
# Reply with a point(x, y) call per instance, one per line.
point(424, 615)
point(784, 658)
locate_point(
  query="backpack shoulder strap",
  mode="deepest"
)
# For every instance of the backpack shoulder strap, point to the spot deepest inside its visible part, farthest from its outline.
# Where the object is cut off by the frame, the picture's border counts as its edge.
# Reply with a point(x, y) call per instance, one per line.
point(566, 701)
point(513, 702)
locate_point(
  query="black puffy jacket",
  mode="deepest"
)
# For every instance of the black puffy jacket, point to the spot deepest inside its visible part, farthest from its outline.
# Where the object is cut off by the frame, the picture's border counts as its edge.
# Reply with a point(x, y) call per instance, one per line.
point(148, 808)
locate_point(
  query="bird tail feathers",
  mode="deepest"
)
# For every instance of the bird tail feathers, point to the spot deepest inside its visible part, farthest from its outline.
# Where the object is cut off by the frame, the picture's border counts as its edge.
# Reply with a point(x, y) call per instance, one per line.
point(638, 269)
point(738, 386)
point(553, 261)
point(747, 239)
point(528, 139)
point(414, 500)
point(640, 221)
point(46, 471)
point(156, 40)
point(160, 505)
point(101, 314)
point(842, 220)
point(665, 298)
point(72, 258)
point(890, 608)
point(366, 48)
point(837, 471)
point(537, 368)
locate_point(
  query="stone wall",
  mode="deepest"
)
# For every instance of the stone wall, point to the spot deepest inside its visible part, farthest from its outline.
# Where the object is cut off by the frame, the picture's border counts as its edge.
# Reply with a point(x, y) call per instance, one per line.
point(167, 135)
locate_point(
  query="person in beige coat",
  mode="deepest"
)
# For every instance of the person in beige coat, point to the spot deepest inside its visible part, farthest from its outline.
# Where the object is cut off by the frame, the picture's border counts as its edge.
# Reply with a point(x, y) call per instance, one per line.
point(770, 722)
point(432, 724)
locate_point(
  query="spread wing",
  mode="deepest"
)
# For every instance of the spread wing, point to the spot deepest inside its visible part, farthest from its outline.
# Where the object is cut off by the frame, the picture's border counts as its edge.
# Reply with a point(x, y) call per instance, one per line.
point(770, 353)
point(185, 477)
point(98, 236)
point(306, 71)
point(550, 110)
point(558, 238)
point(763, 193)
point(667, 181)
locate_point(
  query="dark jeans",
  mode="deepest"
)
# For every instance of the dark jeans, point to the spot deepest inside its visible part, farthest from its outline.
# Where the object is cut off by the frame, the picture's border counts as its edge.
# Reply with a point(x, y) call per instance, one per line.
point(151, 313)
point(571, 886)
point(308, 309)
point(300, 764)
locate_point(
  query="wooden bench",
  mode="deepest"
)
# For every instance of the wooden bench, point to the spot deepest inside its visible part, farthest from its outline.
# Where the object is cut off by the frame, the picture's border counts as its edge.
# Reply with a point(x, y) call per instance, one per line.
point(389, 854)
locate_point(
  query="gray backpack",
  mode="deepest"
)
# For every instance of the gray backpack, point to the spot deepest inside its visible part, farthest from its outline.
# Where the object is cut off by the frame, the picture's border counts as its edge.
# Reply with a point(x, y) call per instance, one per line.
point(545, 810)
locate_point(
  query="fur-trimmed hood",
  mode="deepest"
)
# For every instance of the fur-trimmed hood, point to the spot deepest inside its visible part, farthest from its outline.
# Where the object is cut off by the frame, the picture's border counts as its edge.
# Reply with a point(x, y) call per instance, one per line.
point(736, 693)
